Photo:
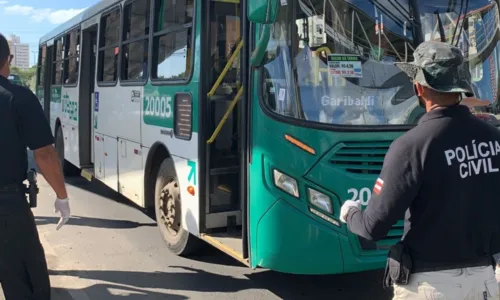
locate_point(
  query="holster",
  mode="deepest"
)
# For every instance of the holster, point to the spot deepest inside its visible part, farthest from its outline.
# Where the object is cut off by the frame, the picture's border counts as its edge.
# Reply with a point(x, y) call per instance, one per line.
point(399, 266)
point(32, 189)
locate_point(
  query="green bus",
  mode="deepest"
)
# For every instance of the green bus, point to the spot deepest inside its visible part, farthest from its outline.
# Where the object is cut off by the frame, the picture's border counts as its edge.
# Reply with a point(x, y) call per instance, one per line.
point(246, 124)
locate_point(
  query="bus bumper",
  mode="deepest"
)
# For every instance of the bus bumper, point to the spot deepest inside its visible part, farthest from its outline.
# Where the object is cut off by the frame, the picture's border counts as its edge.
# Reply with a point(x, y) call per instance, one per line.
point(290, 241)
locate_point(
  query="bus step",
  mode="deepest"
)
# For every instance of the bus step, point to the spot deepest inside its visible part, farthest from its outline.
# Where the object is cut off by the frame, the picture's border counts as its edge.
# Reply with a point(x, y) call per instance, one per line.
point(87, 173)
point(231, 244)
point(226, 170)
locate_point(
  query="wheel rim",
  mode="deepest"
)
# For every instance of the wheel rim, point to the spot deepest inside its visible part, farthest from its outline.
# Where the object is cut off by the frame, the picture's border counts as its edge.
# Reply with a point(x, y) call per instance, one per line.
point(170, 208)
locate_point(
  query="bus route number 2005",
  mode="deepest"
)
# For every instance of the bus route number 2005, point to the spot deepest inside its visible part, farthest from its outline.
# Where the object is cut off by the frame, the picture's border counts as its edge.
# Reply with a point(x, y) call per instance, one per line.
point(158, 106)
point(363, 194)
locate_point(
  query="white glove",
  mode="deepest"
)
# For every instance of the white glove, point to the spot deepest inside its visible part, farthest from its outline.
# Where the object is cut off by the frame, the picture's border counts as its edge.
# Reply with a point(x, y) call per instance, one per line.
point(62, 206)
point(344, 210)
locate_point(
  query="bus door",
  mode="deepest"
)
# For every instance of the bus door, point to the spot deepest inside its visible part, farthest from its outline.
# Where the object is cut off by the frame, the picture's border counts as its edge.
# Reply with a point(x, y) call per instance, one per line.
point(88, 100)
point(47, 81)
point(224, 209)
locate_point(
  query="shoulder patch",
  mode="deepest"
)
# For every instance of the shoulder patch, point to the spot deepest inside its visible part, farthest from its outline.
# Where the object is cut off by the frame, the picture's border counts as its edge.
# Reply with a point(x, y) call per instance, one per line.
point(377, 189)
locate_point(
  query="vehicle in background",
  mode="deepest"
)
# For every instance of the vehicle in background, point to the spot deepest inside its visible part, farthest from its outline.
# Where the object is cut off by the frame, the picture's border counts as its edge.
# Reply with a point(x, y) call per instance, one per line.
point(16, 79)
point(246, 124)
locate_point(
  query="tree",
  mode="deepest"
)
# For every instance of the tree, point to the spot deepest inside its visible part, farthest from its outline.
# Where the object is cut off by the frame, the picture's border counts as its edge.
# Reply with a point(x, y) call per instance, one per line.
point(26, 76)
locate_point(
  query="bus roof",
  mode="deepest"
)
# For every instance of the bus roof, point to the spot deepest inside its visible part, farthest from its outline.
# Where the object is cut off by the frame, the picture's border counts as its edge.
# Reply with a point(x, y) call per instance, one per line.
point(81, 17)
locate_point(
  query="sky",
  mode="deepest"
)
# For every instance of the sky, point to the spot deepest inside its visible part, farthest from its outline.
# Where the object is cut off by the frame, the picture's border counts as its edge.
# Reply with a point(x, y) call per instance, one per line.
point(31, 19)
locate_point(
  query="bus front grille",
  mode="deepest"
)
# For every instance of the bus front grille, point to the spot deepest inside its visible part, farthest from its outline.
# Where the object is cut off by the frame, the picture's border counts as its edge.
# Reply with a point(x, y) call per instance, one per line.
point(360, 157)
point(385, 243)
point(366, 158)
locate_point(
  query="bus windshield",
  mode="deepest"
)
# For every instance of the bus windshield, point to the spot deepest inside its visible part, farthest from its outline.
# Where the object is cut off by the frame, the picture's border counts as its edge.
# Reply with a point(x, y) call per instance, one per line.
point(331, 61)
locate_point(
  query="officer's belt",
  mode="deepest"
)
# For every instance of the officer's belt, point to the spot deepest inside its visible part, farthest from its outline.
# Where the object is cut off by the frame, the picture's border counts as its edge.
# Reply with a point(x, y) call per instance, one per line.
point(12, 188)
point(421, 266)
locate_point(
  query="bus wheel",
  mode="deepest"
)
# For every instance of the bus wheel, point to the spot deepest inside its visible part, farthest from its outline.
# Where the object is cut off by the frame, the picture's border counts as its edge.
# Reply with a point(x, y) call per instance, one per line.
point(168, 212)
point(67, 168)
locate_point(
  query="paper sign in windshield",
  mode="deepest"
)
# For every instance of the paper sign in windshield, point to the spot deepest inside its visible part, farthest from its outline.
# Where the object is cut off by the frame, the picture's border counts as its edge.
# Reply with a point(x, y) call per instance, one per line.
point(341, 65)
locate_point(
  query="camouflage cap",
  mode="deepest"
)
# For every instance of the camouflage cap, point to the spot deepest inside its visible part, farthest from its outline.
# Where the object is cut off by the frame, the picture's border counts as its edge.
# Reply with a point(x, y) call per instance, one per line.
point(439, 66)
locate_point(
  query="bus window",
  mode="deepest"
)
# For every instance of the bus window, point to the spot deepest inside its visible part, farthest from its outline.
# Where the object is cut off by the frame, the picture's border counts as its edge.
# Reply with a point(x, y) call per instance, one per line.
point(225, 44)
point(471, 32)
point(224, 38)
point(474, 33)
point(135, 41)
point(475, 37)
point(442, 21)
point(57, 75)
point(483, 58)
point(108, 47)
point(172, 39)
point(71, 57)
point(42, 52)
point(343, 73)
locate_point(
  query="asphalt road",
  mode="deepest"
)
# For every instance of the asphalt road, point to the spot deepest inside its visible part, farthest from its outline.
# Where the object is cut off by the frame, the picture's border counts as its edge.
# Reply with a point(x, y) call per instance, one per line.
point(112, 250)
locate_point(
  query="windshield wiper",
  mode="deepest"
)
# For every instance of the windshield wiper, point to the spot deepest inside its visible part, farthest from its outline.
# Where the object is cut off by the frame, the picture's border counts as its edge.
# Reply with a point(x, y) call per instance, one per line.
point(441, 27)
point(463, 22)
point(418, 36)
point(458, 22)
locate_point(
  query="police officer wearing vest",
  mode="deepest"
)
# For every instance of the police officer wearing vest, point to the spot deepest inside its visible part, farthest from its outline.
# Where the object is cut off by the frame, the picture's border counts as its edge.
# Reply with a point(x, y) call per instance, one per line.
point(443, 178)
point(23, 268)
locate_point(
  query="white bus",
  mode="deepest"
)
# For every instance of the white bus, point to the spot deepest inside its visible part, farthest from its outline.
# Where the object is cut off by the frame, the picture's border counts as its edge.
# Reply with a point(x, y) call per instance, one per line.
point(93, 75)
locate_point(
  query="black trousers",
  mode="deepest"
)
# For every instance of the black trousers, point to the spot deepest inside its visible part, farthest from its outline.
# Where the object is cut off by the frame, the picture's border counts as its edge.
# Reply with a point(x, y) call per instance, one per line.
point(23, 268)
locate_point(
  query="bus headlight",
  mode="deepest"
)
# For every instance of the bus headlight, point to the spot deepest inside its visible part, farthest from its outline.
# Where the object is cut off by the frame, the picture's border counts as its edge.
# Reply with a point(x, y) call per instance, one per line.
point(320, 200)
point(286, 183)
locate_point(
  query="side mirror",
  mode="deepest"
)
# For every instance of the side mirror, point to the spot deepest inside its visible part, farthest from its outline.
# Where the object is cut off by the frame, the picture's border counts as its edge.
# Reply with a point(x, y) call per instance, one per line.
point(262, 11)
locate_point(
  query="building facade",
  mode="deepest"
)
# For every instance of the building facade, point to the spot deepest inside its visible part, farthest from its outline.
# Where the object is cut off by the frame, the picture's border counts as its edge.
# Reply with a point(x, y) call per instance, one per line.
point(21, 52)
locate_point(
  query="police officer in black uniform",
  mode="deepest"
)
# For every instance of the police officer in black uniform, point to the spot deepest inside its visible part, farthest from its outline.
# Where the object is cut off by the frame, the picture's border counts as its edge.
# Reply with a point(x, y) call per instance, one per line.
point(445, 175)
point(23, 269)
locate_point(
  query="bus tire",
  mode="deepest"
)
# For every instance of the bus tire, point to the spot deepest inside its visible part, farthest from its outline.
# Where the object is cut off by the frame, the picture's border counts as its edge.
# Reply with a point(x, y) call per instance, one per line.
point(67, 168)
point(168, 212)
